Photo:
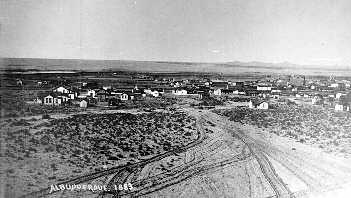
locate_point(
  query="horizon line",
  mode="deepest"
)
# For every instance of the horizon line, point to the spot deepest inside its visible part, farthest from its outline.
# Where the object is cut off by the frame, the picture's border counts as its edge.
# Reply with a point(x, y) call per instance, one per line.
point(194, 62)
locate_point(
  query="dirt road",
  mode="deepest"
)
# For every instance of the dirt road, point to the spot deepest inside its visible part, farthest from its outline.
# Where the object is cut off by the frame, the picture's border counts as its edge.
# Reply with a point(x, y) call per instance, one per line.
point(229, 160)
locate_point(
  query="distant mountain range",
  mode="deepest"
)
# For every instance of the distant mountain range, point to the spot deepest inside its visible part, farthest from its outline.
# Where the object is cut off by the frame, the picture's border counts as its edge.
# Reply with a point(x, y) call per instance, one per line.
point(34, 64)
point(286, 65)
point(264, 64)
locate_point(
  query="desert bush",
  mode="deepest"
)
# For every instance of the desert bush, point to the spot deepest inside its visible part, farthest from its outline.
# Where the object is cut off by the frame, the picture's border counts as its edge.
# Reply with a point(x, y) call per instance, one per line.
point(314, 123)
point(86, 139)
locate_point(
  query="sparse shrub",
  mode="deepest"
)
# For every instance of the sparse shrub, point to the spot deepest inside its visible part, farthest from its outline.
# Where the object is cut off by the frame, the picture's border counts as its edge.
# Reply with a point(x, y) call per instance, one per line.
point(317, 124)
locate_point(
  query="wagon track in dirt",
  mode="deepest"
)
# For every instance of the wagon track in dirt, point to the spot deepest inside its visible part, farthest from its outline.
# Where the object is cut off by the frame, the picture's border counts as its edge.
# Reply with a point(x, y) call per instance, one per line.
point(277, 184)
point(211, 154)
point(201, 167)
point(114, 170)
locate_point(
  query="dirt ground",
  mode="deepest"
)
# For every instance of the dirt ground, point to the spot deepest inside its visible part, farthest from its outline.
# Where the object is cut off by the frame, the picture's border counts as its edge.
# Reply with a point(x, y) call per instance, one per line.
point(301, 170)
point(38, 152)
point(226, 159)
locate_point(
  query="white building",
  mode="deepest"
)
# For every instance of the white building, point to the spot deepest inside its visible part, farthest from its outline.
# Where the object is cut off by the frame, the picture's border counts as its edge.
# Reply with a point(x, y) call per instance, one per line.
point(72, 96)
point(264, 88)
point(106, 87)
point(83, 104)
point(54, 99)
point(61, 90)
point(124, 97)
point(57, 101)
point(180, 92)
point(154, 93)
point(217, 92)
point(338, 95)
point(237, 92)
point(258, 105)
point(263, 105)
point(49, 100)
point(334, 85)
point(339, 107)
point(276, 91)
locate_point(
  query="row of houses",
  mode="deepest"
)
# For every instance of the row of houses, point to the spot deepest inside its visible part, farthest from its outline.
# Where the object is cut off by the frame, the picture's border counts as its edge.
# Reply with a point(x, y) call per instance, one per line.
point(185, 88)
point(339, 103)
point(65, 95)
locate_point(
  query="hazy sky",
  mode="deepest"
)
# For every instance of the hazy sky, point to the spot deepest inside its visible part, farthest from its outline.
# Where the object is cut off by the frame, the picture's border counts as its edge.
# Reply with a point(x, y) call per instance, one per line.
point(298, 31)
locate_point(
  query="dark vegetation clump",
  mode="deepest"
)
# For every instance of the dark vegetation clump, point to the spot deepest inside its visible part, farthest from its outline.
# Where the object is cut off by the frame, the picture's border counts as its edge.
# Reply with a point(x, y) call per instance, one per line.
point(210, 101)
point(86, 139)
point(45, 116)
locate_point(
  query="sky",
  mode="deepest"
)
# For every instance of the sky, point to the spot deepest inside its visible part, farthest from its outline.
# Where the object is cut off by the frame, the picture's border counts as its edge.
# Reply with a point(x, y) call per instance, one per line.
point(314, 32)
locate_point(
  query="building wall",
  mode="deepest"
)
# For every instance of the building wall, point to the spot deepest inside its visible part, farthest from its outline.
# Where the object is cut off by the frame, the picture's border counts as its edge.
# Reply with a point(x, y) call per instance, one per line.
point(48, 100)
point(181, 92)
point(217, 92)
point(57, 101)
point(339, 107)
point(124, 97)
point(264, 88)
point(251, 106)
point(61, 90)
point(263, 105)
point(83, 104)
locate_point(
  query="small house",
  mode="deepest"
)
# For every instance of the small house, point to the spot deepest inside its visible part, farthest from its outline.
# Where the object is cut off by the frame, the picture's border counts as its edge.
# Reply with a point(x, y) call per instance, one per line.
point(107, 87)
point(61, 89)
point(58, 101)
point(258, 104)
point(263, 105)
point(83, 104)
point(19, 82)
point(339, 107)
point(180, 92)
point(55, 99)
point(217, 92)
point(264, 88)
point(48, 100)
point(339, 95)
point(72, 96)
point(124, 97)
point(154, 93)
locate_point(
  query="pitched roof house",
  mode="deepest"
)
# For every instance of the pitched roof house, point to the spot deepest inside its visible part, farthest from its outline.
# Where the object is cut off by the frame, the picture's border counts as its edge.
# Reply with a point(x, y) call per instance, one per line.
point(62, 89)
point(258, 104)
point(55, 99)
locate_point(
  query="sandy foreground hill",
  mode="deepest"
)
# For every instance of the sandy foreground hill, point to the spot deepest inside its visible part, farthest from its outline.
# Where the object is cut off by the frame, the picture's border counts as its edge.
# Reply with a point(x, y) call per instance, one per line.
point(225, 159)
